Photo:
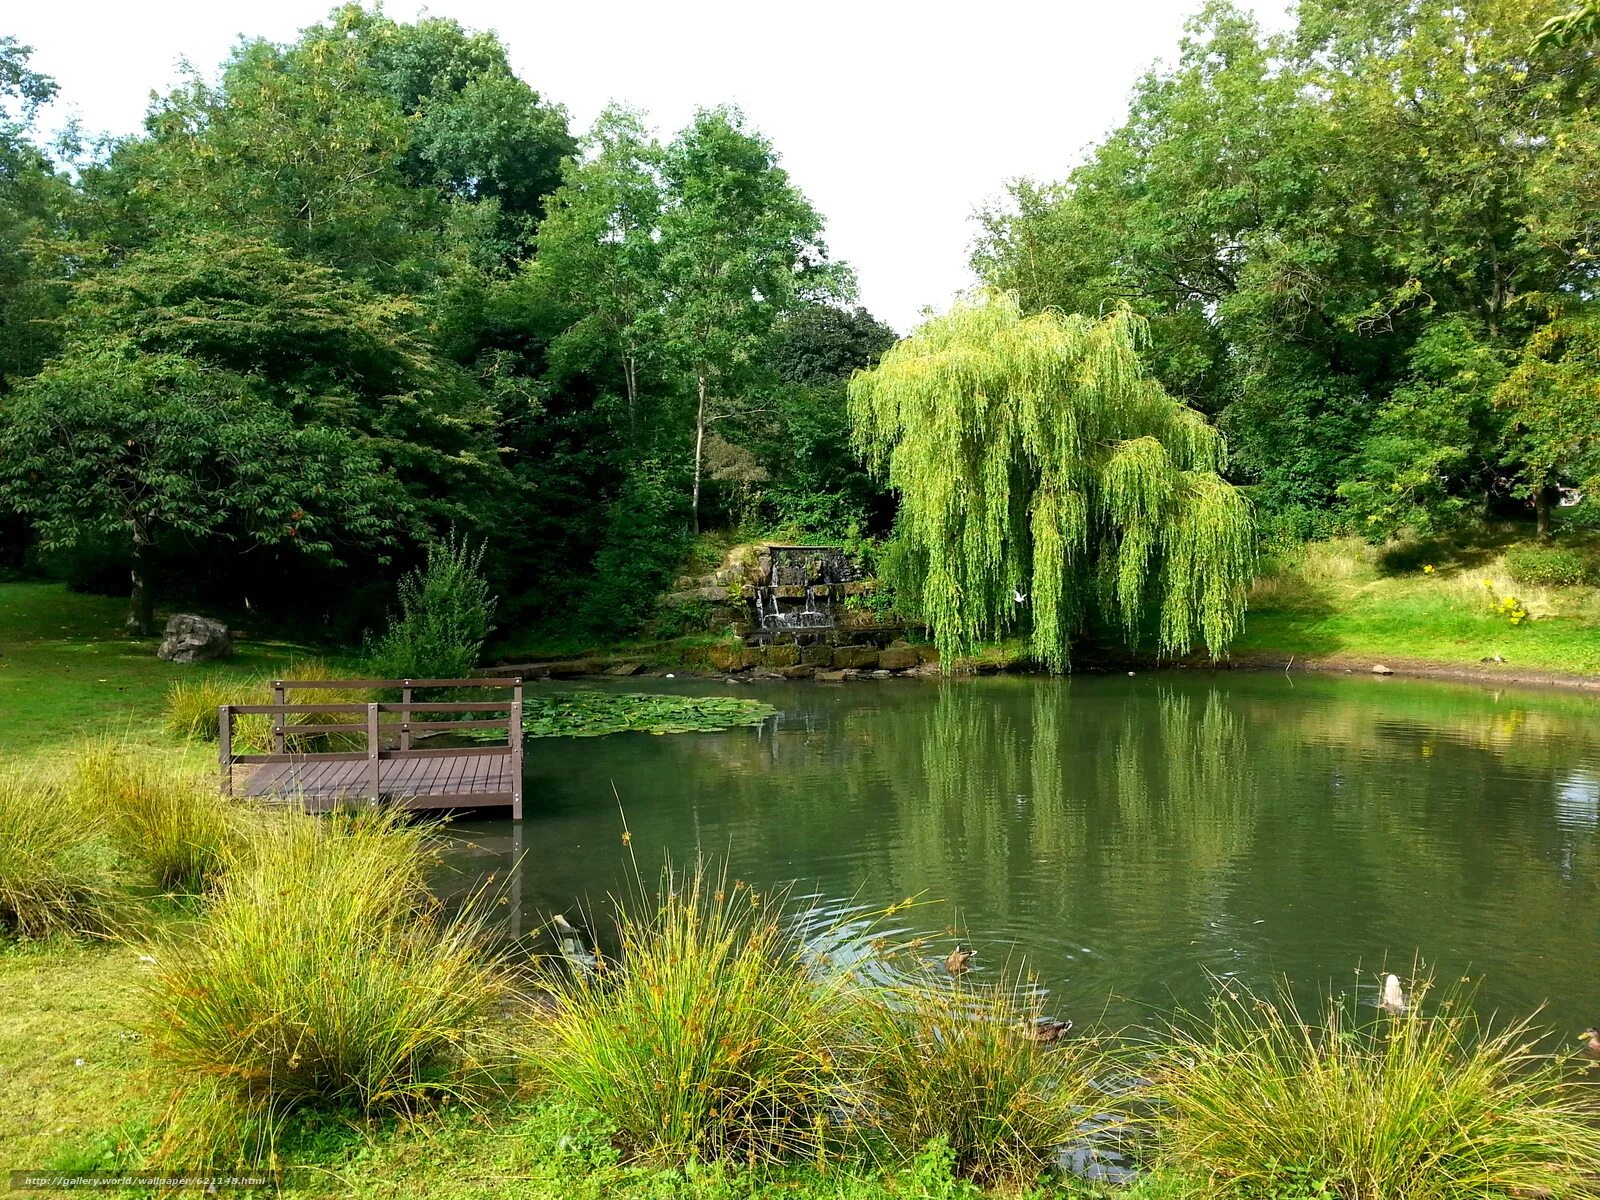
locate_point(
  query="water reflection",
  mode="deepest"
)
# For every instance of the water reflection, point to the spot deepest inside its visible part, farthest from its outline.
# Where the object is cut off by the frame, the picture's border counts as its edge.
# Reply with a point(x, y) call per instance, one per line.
point(1125, 836)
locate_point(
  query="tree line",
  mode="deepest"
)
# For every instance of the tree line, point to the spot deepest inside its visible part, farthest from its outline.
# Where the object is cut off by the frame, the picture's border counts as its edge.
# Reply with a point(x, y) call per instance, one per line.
point(369, 287)
point(1367, 246)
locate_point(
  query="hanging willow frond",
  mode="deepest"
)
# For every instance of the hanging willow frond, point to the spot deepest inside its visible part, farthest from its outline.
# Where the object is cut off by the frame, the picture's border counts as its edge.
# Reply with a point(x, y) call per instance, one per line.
point(1032, 453)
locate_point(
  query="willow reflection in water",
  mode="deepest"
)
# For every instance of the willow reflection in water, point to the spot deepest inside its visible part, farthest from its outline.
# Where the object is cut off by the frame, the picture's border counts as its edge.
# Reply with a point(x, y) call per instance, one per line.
point(1125, 836)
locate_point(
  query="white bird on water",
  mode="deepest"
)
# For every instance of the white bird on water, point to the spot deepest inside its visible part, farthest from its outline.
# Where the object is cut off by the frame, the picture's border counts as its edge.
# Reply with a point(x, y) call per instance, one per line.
point(1394, 997)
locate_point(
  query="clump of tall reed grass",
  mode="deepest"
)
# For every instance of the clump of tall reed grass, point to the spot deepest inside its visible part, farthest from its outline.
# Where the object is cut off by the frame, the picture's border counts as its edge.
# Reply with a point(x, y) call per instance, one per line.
point(165, 816)
point(1261, 1100)
point(189, 709)
point(971, 1065)
point(713, 1038)
point(57, 875)
point(323, 972)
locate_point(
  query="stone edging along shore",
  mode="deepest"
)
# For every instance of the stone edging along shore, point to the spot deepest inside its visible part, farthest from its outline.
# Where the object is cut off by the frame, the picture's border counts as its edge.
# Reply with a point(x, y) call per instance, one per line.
point(922, 663)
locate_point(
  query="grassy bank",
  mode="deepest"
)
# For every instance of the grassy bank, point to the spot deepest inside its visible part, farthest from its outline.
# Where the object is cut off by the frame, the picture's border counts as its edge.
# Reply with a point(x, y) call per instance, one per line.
point(1346, 601)
point(67, 669)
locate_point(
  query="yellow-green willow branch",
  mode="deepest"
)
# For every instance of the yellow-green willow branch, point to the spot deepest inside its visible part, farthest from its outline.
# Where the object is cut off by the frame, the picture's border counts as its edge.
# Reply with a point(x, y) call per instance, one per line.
point(1034, 456)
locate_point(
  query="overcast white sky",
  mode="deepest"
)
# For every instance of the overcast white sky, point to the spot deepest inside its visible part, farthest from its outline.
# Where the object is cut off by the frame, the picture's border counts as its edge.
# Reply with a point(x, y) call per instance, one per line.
point(897, 117)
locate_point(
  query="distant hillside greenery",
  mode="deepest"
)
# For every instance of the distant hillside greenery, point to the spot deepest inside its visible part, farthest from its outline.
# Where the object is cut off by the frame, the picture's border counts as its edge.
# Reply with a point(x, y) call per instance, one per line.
point(359, 293)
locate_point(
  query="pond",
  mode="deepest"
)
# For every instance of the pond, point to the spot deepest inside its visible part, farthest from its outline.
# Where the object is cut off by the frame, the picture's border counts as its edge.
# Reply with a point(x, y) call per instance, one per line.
point(1129, 838)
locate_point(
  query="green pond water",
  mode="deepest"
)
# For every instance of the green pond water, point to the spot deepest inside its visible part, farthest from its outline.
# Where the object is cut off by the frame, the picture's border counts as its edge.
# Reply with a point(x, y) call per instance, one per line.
point(1130, 839)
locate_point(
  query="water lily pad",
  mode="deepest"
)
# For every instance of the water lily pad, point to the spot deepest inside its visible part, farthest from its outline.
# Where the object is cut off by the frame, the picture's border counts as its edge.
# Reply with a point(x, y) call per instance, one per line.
point(596, 713)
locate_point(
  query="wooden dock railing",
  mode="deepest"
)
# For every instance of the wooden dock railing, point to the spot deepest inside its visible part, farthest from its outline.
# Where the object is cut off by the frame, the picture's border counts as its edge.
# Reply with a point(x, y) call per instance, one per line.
point(402, 773)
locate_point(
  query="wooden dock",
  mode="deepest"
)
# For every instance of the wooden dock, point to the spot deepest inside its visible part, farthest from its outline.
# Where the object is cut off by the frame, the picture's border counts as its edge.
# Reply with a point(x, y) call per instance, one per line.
point(387, 768)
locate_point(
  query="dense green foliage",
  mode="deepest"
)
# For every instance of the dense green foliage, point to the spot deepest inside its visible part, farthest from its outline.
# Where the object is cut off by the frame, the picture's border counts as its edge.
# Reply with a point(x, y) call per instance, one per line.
point(365, 287)
point(1045, 478)
point(1340, 235)
point(1551, 565)
point(358, 290)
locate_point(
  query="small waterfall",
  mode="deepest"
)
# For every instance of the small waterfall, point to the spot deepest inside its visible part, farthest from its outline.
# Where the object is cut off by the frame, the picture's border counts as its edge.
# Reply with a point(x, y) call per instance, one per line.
point(816, 569)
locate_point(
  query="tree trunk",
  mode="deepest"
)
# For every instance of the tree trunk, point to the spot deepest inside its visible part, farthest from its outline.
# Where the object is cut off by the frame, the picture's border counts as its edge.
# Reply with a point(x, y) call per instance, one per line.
point(631, 379)
point(699, 447)
point(1541, 511)
point(141, 600)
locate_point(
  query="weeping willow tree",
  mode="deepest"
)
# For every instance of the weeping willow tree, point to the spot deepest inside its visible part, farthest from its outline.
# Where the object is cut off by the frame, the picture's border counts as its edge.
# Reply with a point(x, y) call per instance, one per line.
point(1045, 479)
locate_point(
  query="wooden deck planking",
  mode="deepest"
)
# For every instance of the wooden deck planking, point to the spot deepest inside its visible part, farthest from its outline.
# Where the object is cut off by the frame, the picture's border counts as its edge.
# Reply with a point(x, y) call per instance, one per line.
point(399, 778)
point(414, 777)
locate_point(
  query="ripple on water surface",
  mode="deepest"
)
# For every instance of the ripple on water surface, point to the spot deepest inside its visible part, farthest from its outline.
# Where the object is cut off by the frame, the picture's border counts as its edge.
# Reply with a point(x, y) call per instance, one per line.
point(1128, 838)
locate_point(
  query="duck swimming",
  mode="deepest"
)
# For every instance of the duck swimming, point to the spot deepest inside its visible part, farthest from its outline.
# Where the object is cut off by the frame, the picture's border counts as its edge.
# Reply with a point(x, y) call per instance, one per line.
point(1044, 1030)
point(958, 961)
point(1591, 1041)
point(1393, 999)
point(571, 944)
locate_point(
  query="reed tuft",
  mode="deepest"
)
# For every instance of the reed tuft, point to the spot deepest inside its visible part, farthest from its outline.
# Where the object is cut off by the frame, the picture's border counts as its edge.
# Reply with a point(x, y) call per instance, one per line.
point(323, 972)
point(57, 875)
point(1428, 1104)
point(162, 815)
point(966, 1064)
point(713, 1038)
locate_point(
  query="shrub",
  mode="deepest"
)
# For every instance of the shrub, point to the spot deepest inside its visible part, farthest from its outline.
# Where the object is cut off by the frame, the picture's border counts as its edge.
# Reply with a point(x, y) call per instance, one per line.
point(713, 1041)
point(323, 972)
point(1261, 1102)
point(443, 620)
point(167, 818)
point(56, 874)
point(1549, 566)
point(963, 1064)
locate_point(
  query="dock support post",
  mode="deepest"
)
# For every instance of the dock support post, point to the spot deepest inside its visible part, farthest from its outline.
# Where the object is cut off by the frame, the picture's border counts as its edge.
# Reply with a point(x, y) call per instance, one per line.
point(405, 717)
point(515, 736)
point(374, 777)
point(516, 880)
point(225, 746)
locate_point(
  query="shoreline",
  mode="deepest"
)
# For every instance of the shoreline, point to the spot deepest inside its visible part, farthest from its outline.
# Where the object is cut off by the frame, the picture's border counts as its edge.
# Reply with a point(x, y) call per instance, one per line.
point(608, 663)
point(1419, 668)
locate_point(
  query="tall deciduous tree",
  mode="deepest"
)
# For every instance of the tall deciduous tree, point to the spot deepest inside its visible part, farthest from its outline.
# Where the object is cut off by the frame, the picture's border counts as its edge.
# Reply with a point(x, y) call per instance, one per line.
point(35, 203)
point(1045, 477)
point(348, 146)
point(740, 246)
point(1294, 213)
point(134, 447)
point(1552, 397)
point(599, 256)
point(328, 351)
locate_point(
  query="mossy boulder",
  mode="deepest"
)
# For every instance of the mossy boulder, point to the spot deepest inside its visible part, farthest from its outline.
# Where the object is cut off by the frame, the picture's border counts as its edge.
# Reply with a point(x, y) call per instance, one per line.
point(820, 655)
point(898, 656)
point(860, 658)
point(732, 658)
point(780, 656)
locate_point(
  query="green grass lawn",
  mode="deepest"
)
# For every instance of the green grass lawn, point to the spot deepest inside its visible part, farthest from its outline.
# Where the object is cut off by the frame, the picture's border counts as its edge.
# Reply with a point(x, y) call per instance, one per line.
point(66, 669)
point(1346, 600)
